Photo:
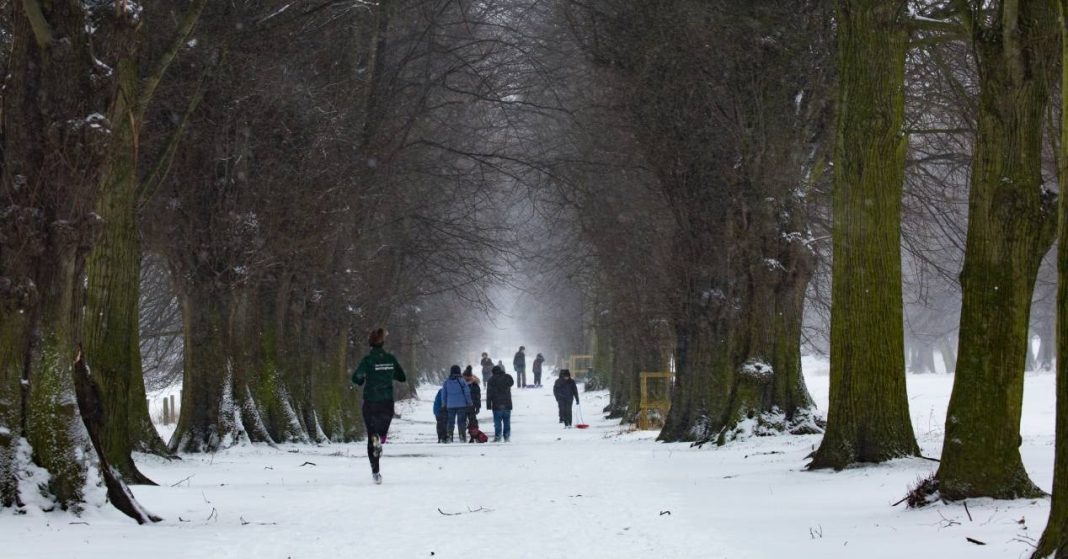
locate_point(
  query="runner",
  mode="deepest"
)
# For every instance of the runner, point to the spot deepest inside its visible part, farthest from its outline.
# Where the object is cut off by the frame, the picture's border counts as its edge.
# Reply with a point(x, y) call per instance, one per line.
point(378, 369)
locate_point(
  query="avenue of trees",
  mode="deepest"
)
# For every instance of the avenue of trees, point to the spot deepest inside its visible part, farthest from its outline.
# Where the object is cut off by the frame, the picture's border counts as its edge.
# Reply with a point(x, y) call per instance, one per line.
point(232, 193)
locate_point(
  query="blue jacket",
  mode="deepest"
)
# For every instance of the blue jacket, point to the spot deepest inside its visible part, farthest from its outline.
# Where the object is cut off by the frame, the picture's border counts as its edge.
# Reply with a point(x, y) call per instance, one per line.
point(437, 402)
point(456, 394)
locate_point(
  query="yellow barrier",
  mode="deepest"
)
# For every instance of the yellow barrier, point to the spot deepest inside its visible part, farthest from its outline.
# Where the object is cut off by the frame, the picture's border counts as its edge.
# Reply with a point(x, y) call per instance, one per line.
point(654, 399)
point(579, 365)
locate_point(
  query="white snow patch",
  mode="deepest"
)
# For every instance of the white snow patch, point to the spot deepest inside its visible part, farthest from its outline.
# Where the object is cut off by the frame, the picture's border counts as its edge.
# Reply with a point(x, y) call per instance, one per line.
point(553, 492)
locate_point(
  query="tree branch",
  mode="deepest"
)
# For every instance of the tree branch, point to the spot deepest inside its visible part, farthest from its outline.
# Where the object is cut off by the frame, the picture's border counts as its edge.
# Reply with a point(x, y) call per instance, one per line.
point(42, 31)
point(151, 82)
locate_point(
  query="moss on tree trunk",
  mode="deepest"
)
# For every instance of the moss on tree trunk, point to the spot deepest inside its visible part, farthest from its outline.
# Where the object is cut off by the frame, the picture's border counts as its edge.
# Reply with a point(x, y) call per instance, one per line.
point(1011, 224)
point(868, 418)
point(207, 422)
point(1054, 540)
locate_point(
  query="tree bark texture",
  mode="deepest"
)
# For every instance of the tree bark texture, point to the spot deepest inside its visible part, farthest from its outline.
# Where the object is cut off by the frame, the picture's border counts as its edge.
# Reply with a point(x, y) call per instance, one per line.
point(1011, 224)
point(55, 136)
point(1054, 540)
point(868, 419)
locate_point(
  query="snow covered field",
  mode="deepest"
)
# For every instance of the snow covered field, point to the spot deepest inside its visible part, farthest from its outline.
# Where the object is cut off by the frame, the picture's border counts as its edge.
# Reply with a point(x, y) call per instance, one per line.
point(553, 493)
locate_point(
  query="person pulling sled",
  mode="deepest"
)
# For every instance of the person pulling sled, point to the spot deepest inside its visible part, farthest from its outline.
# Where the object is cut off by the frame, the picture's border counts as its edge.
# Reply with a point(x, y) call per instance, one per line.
point(565, 390)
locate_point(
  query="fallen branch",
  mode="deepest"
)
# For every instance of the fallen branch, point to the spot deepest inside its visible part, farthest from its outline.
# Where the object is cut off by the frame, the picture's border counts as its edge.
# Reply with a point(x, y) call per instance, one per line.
point(91, 410)
point(967, 511)
point(307, 464)
point(976, 542)
point(469, 511)
point(246, 522)
point(182, 481)
point(214, 514)
point(947, 522)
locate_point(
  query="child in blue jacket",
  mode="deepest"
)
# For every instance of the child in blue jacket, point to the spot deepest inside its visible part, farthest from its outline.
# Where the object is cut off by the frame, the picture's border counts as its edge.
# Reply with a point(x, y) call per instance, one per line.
point(439, 415)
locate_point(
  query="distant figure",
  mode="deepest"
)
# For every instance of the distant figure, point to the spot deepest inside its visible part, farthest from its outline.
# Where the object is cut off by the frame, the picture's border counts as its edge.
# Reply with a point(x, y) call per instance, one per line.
point(499, 401)
point(439, 415)
point(456, 401)
point(565, 391)
point(476, 403)
point(519, 363)
point(487, 368)
point(537, 370)
point(379, 370)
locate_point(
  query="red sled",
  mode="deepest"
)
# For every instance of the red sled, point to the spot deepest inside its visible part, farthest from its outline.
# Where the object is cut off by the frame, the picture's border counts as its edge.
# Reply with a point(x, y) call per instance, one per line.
point(477, 435)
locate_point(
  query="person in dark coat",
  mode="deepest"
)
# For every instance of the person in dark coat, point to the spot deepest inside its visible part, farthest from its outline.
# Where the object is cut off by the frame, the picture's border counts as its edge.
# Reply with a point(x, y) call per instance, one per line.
point(456, 401)
point(378, 370)
point(537, 370)
point(519, 363)
point(439, 415)
point(487, 368)
point(499, 401)
point(565, 391)
point(476, 400)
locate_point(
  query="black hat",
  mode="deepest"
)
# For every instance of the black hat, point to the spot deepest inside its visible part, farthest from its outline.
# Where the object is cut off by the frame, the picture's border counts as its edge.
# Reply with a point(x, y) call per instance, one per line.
point(497, 370)
point(454, 371)
point(521, 348)
point(565, 372)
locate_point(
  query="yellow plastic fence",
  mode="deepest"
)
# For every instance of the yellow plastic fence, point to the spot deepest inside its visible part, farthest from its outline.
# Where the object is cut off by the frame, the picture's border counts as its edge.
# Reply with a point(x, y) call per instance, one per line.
point(656, 399)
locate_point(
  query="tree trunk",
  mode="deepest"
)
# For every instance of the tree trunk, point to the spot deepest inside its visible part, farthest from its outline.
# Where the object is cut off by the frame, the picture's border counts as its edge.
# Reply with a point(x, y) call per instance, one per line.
point(112, 332)
point(1046, 346)
point(54, 429)
point(54, 140)
point(949, 357)
point(112, 340)
point(14, 343)
point(868, 419)
point(1054, 540)
point(1011, 224)
point(208, 421)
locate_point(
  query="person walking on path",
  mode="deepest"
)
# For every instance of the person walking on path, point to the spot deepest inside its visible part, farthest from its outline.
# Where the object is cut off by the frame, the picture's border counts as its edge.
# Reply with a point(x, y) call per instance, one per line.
point(487, 368)
point(378, 370)
point(456, 401)
point(476, 400)
point(499, 401)
point(537, 370)
point(439, 415)
point(565, 391)
point(519, 363)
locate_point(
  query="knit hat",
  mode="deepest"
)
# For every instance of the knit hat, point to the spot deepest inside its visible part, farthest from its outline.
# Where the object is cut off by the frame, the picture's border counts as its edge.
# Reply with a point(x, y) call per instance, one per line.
point(497, 370)
point(377, 337)
point(565, 373)
point(454, 371)
point(467, 371)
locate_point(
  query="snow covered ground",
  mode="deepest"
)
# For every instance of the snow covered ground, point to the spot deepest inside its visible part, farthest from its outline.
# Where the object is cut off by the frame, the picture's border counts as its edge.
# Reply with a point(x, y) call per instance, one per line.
point(553, 493)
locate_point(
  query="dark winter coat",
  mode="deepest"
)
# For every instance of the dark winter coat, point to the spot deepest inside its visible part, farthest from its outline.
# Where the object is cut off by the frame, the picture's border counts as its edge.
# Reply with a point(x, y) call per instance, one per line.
point(476, 395)
point(378, 369)
point(537, 364)
point(499, 391)
point(565, 389)
point(520, 361)
point(457, 395)
point(487, 366)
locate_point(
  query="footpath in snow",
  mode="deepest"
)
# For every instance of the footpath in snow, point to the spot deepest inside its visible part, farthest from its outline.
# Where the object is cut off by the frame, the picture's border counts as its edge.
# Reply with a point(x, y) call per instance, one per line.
point(552, 493)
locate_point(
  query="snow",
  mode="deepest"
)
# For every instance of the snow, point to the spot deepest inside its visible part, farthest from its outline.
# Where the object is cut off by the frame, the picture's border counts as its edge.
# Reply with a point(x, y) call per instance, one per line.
point(606, 491)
